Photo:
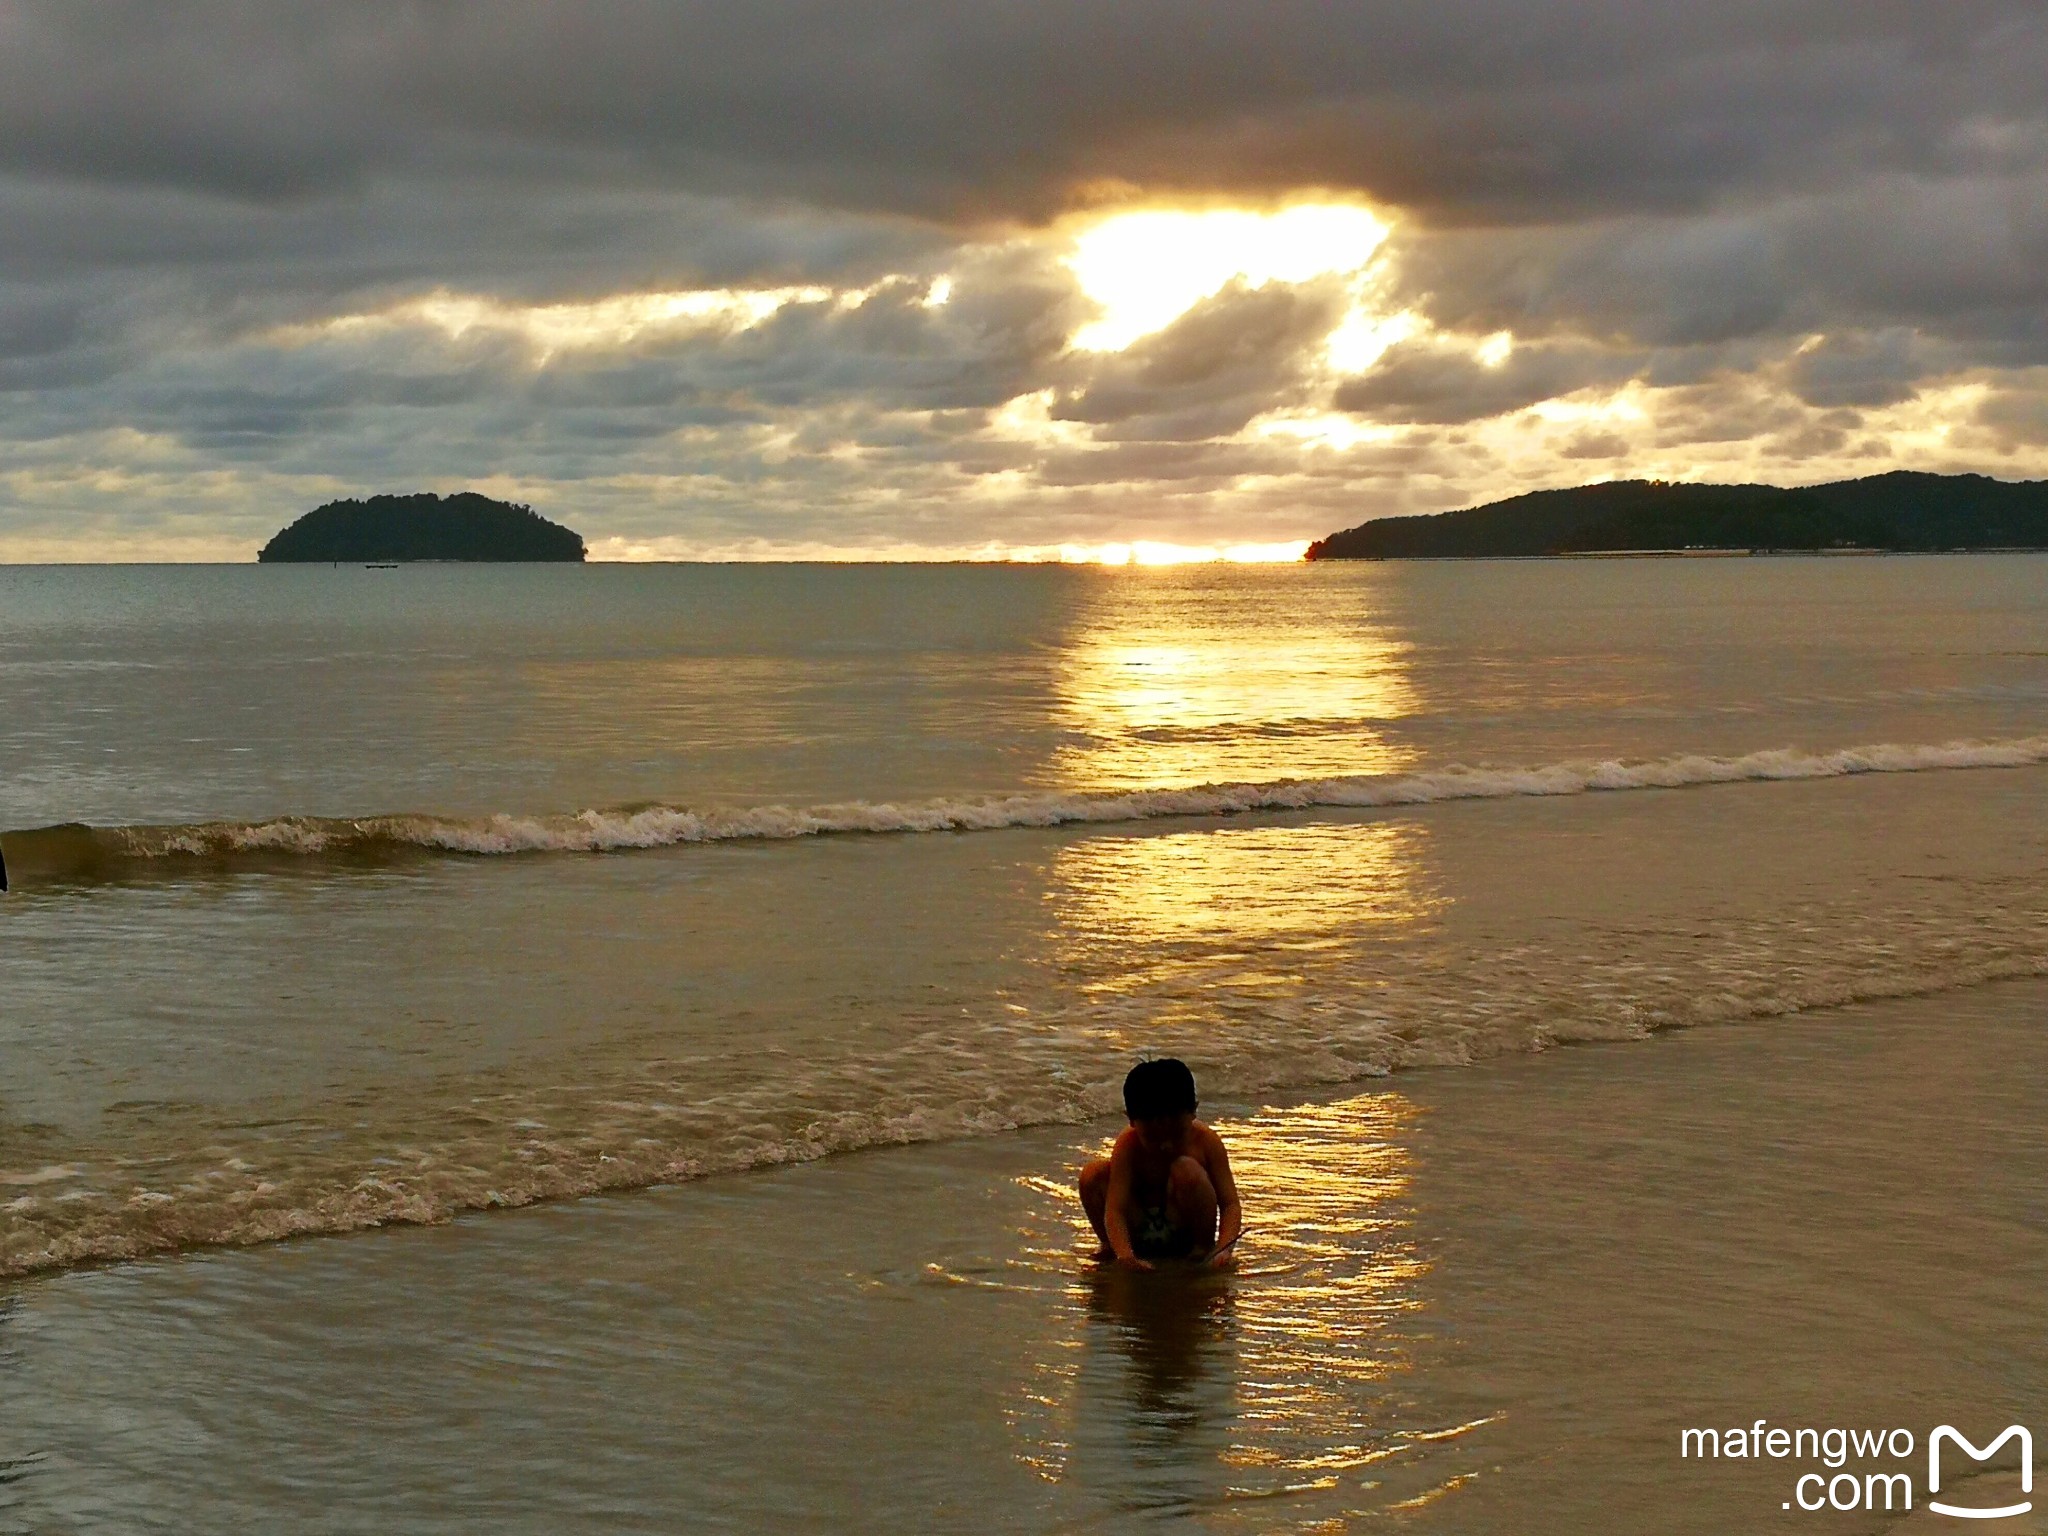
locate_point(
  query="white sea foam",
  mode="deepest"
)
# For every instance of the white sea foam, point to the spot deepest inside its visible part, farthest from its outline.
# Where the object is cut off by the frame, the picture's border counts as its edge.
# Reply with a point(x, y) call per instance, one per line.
point(83, 853)
point(657, 826)
point(1373, 1002)
point(461, 1157)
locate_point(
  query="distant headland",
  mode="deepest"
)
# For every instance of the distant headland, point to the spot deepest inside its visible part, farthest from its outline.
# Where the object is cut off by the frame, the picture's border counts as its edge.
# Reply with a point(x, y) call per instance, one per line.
point(1900, 511)
point(464, 526)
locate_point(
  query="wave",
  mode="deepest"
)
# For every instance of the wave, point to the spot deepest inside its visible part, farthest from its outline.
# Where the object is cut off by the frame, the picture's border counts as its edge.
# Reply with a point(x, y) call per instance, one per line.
point(426, 1162)
point(76, 852)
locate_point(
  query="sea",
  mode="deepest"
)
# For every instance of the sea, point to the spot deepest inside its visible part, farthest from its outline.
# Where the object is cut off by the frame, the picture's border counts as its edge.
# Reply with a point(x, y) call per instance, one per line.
point(608, 1047)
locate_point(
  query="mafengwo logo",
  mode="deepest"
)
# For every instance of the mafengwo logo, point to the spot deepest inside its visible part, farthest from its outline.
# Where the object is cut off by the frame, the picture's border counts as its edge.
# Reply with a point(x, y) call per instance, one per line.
point(1846, 1479)
point(1948, 1433)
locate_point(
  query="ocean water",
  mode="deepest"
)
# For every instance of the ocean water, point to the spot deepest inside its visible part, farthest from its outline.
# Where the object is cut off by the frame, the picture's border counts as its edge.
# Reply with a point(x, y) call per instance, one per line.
point(1480, 1300)
point(348, 899)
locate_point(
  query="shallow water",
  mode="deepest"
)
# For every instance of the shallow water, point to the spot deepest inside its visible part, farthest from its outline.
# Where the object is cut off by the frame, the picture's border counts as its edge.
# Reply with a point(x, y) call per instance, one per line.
point(347, 898)
point(323, 939)
point(1487, 1299)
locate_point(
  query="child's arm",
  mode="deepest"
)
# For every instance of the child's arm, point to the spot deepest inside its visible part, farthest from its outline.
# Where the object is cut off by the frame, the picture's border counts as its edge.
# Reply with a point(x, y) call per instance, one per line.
point(1116, 1223)
point(1229, 1209)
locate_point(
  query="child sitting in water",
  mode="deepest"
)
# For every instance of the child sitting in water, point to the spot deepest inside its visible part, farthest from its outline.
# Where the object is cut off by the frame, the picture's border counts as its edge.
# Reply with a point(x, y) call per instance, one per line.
point(1165, 1190)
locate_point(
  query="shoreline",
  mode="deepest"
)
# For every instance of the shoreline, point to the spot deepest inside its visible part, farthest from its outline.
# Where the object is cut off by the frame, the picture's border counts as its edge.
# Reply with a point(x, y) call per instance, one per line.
point(625, 1182)
point(1465, 1294)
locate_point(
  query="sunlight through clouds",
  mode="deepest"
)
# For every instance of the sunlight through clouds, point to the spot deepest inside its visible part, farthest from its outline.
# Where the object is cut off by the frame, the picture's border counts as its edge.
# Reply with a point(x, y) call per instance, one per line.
point(826, 291)
point(1157, 386)
point(614, 321)
point(1146, 268)
point(1496, 349)
point(1362, 337)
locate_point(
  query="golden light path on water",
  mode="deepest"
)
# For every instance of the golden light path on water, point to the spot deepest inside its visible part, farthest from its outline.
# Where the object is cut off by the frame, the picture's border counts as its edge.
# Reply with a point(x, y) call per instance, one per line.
point(1231, 916)
point(1183, 686)
point(1218, 1394)
point(1214, 1394)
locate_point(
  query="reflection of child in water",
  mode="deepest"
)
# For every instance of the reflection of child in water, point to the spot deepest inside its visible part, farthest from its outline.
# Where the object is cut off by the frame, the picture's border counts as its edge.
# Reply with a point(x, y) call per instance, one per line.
point(1165, 1190)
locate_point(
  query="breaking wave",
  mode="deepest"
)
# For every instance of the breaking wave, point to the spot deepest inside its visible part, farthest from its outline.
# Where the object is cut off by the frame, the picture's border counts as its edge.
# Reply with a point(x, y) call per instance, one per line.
point(75, 852)
point(421, 1154)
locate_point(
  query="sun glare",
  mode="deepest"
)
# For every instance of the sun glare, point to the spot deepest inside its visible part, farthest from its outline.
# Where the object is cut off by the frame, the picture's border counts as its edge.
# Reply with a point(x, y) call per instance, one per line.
point(1150, 552)
point(1362, 338)
point(1146, 268)
point(1495, 349)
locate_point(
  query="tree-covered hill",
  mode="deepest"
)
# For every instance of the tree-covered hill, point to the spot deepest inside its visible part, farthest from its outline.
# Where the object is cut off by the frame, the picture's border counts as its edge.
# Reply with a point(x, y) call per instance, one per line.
point(1903, 510)
point(464, 526)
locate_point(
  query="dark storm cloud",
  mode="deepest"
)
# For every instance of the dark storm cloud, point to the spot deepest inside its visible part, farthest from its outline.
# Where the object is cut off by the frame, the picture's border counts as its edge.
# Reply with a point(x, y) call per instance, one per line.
point(2017, 415)
point(1424, 381)
point(1966, 258)
point(1858, 369)
point(227, 263)
point(1729, 409)
point(1465, 108)
point(1786, 217)
point(889, 384)
point(998, 335)
point(284, 153)
point(1225, 361)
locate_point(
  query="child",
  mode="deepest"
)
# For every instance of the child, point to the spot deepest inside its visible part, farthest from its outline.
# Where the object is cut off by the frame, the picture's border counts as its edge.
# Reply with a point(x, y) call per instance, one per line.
point(1165, 1190)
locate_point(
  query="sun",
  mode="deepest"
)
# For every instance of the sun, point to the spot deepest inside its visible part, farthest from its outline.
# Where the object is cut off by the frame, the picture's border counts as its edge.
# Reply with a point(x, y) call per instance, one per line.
point(1151, 552)
point(1147, 267)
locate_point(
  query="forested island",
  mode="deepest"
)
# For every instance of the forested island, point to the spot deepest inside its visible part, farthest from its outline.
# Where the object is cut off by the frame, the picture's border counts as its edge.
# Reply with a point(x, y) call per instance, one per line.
point(464, 526)
point(1902, 510)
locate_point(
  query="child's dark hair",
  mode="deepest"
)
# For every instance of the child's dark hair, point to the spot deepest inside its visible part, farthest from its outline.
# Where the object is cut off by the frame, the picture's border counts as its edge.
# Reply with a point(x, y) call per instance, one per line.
point(1162, 1087)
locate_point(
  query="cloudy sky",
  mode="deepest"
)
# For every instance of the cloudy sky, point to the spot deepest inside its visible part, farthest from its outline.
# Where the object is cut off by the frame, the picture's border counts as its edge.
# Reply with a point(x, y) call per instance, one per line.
point(795, 277)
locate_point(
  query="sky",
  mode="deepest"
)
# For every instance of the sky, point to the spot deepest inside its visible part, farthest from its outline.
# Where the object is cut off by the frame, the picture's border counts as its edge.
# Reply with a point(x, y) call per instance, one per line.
point(1000, 278)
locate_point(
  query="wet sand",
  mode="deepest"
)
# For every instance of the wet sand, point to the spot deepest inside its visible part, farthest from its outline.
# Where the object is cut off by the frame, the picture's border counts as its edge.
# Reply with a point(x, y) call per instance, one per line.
point(1475, 1299)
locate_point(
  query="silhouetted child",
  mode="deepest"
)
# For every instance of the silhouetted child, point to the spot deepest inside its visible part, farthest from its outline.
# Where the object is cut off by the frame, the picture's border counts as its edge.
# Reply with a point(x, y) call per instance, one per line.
point(1165, 1190)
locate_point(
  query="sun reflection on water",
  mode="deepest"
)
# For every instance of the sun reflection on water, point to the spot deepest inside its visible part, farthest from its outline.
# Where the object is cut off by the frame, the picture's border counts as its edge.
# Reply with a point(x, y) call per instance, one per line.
point(1191, 682)
point(1185, 1392)
point(1233, 920)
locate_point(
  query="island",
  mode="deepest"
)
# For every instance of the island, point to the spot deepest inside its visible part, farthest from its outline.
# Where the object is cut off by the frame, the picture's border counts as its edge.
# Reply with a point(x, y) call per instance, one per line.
point(384, 529)
point(1900, 511)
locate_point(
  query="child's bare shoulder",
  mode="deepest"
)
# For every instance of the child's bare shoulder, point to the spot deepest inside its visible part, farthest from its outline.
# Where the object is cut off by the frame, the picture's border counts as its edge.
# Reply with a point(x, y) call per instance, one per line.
point(1205, 1133)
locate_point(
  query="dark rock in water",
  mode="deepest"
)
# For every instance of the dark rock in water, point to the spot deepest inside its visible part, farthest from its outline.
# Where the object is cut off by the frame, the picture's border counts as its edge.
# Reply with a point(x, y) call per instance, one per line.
point(1903, 510)
point(464, 526)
